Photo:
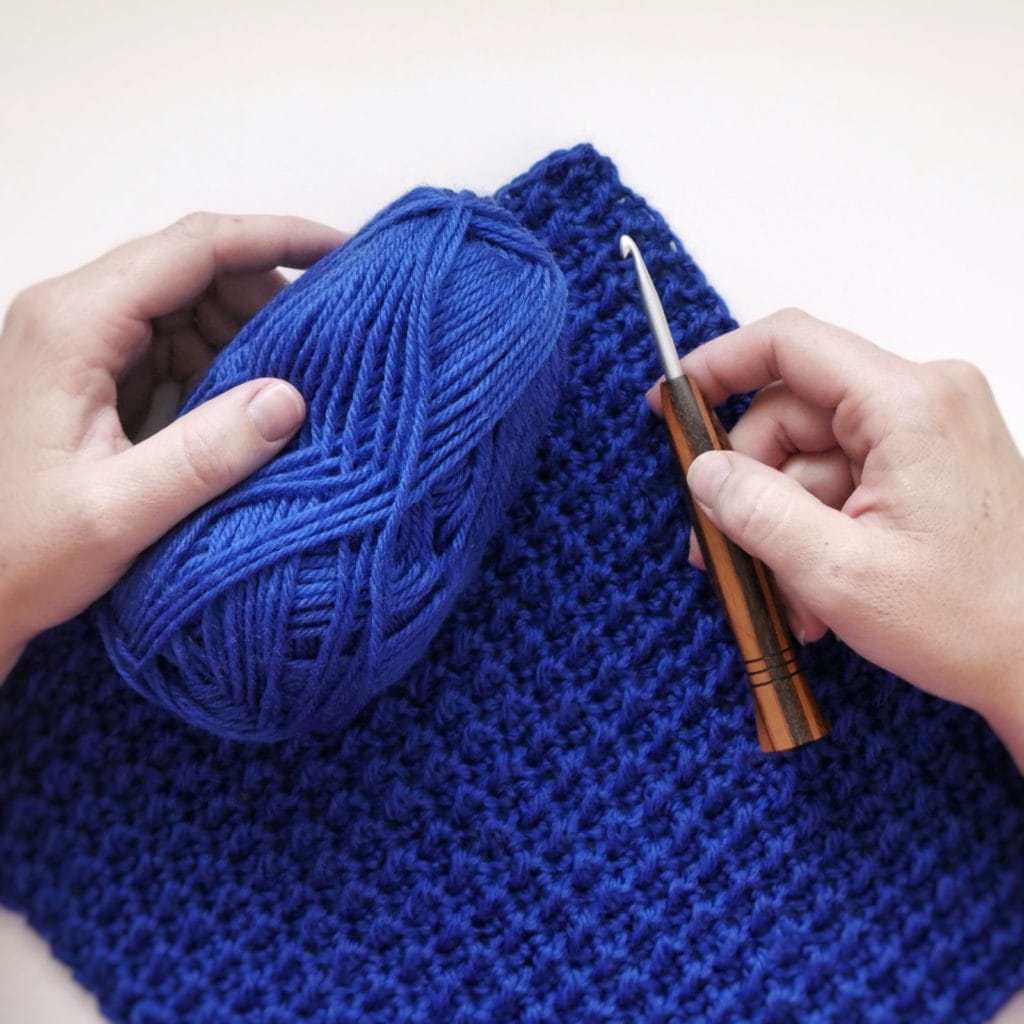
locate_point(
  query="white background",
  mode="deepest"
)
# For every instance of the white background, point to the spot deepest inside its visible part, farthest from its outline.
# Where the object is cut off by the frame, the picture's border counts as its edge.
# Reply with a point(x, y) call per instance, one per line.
point(863, 160)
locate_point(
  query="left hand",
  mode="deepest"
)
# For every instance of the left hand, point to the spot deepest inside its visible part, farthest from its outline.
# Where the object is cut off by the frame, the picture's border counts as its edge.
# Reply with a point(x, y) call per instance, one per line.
point(85, 361)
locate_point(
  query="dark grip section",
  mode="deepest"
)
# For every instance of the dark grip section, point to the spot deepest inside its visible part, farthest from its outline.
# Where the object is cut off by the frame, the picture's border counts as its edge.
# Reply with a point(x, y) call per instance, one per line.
point(785, 710)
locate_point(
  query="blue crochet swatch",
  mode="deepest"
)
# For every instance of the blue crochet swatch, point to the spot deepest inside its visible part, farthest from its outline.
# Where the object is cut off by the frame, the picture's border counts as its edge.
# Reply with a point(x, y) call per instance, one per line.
point(563, 814)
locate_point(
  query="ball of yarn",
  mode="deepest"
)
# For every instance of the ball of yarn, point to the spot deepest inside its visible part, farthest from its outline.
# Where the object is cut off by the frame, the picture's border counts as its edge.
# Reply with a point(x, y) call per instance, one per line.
point(427, 349)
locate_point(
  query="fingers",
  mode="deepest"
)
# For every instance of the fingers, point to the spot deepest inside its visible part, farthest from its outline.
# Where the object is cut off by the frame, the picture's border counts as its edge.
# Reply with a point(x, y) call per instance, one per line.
point(778, 424)
point(815, 551)
point(158, 482)
point(803, 623)
point(775, 425)
point(242, 296)
point(153, 276)
point(231, 301)
point(819, 362)
point(134, 392)
point(213, 324)
point(794, 436)
point(822, 386)
point(826, 476)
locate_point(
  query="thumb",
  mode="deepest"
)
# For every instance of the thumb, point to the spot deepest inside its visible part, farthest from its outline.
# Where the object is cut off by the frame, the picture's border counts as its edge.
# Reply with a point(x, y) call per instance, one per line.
point(815, 551)
point(161, 480)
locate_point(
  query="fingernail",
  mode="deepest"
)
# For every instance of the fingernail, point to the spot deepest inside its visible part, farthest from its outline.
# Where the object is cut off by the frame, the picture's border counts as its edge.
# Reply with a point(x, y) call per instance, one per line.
point(706, 475)
point(276, 411)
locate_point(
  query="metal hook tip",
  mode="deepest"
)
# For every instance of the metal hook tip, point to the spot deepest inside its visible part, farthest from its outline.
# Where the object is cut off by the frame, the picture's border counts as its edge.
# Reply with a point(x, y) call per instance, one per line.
point(653, 309)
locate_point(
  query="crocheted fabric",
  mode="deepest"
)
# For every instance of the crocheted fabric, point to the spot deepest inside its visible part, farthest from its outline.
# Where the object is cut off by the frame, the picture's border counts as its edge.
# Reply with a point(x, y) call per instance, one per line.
point(563, 814)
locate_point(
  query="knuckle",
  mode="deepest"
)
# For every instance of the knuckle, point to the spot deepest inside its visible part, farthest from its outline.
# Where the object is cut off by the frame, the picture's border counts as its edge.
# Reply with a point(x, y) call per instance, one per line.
point(32, 305)
point(198, 224)
point(963, 375)
point(951, 384)
point(792, 318)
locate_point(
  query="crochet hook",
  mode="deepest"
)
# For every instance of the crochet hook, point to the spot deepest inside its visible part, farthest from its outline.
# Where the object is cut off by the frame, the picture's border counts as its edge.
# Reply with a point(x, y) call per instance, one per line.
point(785, 711)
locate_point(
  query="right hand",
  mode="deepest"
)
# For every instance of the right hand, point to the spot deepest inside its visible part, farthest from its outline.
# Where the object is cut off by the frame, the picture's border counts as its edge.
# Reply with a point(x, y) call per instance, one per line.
point(887, 497)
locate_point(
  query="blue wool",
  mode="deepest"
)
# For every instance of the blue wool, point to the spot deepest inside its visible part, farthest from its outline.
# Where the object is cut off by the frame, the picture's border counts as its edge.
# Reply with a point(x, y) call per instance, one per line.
point(561, 813)
point(427, 351)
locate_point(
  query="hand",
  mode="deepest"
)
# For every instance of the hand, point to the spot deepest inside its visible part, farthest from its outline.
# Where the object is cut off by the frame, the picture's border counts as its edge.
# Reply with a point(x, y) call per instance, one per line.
point(86, 360)
point(887, 497)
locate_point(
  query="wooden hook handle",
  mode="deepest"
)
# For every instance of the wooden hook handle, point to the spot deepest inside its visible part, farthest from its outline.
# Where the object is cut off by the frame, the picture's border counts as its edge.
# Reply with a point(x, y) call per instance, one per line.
point(785, 711)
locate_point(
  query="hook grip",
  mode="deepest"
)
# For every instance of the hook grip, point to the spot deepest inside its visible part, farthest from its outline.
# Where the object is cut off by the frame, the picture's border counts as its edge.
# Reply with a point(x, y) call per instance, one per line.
point(785, 711)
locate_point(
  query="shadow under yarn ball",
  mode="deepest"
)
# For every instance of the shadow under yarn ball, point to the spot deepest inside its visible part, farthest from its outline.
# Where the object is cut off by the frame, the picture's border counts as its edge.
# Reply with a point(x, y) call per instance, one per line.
point(427, 349)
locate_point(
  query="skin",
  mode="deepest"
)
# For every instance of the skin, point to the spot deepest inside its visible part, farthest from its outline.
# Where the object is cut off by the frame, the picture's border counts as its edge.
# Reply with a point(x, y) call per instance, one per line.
point(887, 496)
point(81, 359)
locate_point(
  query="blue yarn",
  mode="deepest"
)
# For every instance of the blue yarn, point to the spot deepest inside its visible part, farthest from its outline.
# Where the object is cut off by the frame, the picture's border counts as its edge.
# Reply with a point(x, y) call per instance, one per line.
point(427, 350)
point(561, 813)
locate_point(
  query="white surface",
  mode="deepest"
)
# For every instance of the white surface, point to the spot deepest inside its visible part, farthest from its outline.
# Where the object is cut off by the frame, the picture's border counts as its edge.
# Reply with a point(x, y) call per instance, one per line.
point(862, 161)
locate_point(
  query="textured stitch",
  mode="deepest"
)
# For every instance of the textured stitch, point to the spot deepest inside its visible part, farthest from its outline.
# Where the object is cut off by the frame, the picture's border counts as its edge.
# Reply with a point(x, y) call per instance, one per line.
point(427, 351)
point(562, 814)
